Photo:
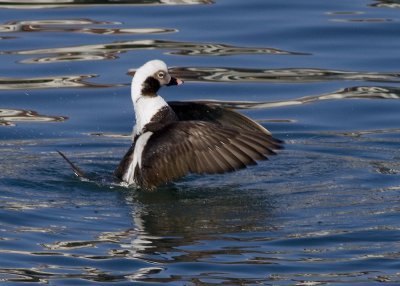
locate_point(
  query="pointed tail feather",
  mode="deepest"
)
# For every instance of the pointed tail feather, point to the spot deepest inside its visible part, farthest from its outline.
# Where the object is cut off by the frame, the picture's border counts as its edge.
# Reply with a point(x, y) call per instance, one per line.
point(78, 172)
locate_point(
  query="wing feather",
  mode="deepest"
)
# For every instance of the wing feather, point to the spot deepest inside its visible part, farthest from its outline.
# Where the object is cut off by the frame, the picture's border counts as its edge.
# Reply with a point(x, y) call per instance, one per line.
point(186, 110)
point(200, 147)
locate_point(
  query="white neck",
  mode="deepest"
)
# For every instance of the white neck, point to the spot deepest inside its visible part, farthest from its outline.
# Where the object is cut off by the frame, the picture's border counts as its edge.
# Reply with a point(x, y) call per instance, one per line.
point(145, 106)
point(136, 88)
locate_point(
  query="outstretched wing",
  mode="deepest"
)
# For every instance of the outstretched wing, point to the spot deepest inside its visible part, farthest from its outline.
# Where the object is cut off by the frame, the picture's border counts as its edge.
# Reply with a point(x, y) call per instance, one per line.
point(200, 147)
point(213, 113)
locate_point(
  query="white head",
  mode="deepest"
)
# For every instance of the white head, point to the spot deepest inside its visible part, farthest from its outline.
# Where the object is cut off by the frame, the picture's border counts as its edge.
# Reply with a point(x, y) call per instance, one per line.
point(148, 79)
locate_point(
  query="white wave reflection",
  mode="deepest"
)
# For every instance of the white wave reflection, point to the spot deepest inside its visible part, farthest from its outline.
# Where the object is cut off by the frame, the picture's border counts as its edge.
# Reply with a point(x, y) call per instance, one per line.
point(363, 20)
point(75, 26)
point(356, 92)
point(360, 92)
point(111, 50)
point(8, 117)
point(221, 74)
point(45, 4)
point(386, 4)
point(361, 133)
point(49, 82)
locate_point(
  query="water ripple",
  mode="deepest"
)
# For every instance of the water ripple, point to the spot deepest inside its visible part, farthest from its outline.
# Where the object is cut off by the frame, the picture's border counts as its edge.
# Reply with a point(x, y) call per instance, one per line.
point(44, 4)
point(65, 26)
point(8, 117)
point(363, 20)
point(386, 4)
point(111, 50)
point(291, 75)
point(356, 92)
point(49, 82)
point(361, 133)
point(92, 274)
point(323, 212)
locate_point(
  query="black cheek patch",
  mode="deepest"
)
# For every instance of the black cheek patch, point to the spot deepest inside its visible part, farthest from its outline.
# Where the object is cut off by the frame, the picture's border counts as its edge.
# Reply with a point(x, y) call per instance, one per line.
point(150, 86)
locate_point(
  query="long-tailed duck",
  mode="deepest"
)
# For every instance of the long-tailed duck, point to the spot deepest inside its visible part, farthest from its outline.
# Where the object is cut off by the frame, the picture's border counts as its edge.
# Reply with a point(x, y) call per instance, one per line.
point(176, 138)
point(171, 140)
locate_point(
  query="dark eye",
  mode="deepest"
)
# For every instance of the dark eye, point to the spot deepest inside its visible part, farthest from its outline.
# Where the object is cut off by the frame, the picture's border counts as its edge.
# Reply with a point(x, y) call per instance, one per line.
point(161, 74)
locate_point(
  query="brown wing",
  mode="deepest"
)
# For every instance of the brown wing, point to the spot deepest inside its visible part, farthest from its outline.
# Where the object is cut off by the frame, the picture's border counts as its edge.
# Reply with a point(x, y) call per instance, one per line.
point(186, 110)
point(200, 147)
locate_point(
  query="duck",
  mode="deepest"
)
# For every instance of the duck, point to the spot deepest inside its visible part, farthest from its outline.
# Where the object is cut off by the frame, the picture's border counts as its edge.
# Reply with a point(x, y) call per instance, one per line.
point(173, 139)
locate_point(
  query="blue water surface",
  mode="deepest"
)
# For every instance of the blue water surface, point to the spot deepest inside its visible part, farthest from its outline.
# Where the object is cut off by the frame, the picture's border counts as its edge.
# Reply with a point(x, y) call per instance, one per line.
point(321, 75)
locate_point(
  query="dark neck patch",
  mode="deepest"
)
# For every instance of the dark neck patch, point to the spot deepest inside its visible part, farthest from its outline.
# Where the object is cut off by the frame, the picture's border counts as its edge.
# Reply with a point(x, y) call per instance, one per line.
point(150, 86)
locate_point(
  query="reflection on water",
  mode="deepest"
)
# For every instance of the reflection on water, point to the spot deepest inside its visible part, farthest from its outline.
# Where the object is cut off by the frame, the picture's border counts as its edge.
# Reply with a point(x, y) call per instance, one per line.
point(107, 51)
point(167, 215)
point(292, 75)
point(89, 274)
point(324, 212)
point(49, 82)
point(70, 3)
point(360, 92)
point(225, 75)
point(236, 234)
point(228, 234)
point(64, 26)
point(172, 219)
point(364, 20)
point(386, 4)
point(111, 135)
point(6, 38)
point(356, 92)
point(369, 132)
point(8, 117)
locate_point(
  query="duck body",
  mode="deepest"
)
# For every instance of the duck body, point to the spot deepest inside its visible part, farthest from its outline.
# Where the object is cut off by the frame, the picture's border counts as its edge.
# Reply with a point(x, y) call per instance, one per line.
point(172, 139)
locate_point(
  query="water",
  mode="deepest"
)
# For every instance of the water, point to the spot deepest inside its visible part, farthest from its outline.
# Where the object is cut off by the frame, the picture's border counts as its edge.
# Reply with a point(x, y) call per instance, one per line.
point(321, 75)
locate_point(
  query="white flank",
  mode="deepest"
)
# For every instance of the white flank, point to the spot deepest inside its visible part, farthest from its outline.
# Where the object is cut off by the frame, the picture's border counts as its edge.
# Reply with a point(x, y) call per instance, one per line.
point(141, 142)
